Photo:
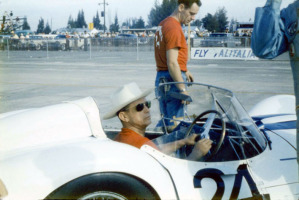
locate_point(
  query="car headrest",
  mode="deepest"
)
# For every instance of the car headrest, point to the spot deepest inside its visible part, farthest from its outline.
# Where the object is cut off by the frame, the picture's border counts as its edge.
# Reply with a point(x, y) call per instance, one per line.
point(61, 122)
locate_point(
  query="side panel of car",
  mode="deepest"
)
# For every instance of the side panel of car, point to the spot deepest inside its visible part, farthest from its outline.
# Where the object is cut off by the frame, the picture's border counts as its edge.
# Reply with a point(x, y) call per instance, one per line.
point(50, 167)
point(277, 168)
point(233, 179)
point(203, 180)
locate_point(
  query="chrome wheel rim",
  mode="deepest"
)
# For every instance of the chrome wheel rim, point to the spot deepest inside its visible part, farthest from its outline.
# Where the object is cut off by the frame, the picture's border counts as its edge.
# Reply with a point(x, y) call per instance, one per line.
point(103, 195)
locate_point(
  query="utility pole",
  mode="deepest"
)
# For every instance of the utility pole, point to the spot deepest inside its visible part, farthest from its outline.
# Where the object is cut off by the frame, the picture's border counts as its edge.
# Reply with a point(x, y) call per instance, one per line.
point(104, 14)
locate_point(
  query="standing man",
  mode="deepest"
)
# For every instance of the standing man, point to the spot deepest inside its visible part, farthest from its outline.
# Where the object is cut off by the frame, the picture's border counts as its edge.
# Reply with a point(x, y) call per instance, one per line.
point(171, 54)
point(276, 32)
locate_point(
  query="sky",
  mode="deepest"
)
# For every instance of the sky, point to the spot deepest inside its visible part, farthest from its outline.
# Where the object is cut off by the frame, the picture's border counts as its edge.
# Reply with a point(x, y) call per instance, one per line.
point(57, 12)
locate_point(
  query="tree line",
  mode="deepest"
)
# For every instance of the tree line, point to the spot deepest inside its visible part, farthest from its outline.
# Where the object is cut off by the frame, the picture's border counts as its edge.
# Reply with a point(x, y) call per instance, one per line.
point(212, 22)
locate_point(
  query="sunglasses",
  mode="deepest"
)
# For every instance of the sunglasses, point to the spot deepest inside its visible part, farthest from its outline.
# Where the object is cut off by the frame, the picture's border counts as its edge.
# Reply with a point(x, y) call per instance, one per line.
point(140, 107)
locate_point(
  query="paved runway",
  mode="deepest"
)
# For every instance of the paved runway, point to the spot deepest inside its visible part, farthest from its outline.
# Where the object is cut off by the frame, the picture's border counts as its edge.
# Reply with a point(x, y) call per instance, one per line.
point(33, 79)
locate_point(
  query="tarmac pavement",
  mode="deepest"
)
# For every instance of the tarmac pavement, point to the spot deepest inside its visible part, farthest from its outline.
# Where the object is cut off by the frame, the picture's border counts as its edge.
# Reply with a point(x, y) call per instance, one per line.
point(37, 78)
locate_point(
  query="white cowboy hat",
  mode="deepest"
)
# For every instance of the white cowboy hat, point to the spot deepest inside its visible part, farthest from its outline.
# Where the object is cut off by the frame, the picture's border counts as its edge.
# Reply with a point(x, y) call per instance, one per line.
point(123, 97)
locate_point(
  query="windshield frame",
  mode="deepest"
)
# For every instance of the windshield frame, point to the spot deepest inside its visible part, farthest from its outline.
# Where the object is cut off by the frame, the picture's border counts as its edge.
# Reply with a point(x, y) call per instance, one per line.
point(240, 123)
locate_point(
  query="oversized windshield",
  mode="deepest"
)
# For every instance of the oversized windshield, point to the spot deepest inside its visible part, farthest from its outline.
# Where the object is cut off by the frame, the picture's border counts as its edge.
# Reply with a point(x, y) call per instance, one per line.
point(224, 120)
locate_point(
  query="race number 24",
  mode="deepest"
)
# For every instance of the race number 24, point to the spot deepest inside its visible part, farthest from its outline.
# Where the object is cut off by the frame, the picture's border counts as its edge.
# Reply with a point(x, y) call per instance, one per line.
point(216, 174)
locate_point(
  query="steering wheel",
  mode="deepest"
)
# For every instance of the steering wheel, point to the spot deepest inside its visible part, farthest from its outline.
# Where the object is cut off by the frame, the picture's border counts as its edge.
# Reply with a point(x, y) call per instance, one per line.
point(207, 126)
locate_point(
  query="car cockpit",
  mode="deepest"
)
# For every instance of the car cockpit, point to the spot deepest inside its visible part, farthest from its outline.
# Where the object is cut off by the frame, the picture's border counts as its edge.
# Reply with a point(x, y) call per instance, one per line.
point(213, 113)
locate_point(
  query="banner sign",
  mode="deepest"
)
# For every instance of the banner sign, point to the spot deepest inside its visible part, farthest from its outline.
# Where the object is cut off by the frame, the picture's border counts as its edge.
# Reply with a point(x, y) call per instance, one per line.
point(223, 53)
point(90, 26)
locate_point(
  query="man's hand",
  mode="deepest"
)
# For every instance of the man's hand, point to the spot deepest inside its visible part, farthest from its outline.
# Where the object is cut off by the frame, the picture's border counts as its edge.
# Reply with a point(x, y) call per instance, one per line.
point(190, 140)
point(189, 77)
point(187, 94)
point(203, 145)
point(201, 148)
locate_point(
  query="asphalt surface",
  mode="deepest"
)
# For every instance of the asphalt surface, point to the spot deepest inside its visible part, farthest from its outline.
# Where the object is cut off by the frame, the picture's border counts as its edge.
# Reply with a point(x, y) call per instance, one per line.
point(38, 78)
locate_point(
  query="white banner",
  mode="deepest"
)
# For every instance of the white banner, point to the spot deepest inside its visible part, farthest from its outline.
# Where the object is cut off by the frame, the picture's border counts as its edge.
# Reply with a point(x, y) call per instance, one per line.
point(223, 53)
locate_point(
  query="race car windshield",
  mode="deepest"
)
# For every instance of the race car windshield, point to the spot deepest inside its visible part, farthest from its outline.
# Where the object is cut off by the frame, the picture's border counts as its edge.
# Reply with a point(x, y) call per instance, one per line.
point(219, 116)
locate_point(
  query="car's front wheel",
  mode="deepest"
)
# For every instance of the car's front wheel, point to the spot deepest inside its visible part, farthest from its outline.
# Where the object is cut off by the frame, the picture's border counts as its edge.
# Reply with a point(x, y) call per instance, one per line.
point(103, 195)
point(63, 47)
point(38, 47)
point(105, 186)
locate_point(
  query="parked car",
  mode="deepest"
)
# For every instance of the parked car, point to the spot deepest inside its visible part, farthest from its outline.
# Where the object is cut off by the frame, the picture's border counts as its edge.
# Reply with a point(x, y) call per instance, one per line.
point(78, 43)
point(35, 42)
point(63, 152)
point(220, 40)
point(126, 35)
point(143, 40)
point(59, 42)
point(125, 39)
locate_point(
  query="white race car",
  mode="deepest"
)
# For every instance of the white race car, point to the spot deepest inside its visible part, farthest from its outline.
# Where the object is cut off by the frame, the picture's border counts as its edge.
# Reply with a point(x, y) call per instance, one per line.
point(63, 152)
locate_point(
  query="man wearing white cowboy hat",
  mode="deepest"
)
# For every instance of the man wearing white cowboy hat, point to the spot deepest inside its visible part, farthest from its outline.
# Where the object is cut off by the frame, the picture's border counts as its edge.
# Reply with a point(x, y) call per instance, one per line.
point(130, 106)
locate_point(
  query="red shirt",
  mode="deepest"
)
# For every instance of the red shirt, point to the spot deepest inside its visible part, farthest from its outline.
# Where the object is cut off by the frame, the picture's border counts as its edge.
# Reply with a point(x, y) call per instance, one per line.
point(169, 35)
point(132, 138)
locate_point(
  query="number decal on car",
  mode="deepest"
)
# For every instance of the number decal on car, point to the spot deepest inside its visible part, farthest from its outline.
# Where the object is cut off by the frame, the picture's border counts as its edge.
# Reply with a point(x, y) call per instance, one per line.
point(216, 174)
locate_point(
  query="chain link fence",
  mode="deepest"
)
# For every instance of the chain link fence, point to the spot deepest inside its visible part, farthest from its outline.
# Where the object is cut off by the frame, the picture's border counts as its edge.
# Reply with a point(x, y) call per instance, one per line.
point(91, 47)
point(230, 42)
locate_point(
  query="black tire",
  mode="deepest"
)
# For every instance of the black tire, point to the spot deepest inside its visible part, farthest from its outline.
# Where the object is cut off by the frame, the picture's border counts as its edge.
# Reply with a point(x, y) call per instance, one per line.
point(105, 186)
point(63, 47)
point(38, 47)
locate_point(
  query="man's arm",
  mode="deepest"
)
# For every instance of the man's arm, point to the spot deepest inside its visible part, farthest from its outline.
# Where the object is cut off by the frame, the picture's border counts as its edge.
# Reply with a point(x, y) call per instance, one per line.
point(171, 147)
point(174, 67)
point(200, 149)
point(268, 37)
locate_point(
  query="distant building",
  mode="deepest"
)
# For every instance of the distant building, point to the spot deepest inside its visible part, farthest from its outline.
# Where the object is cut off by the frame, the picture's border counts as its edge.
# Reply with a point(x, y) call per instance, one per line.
point(71, 30)
point(137, 30)
point(244, 27)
